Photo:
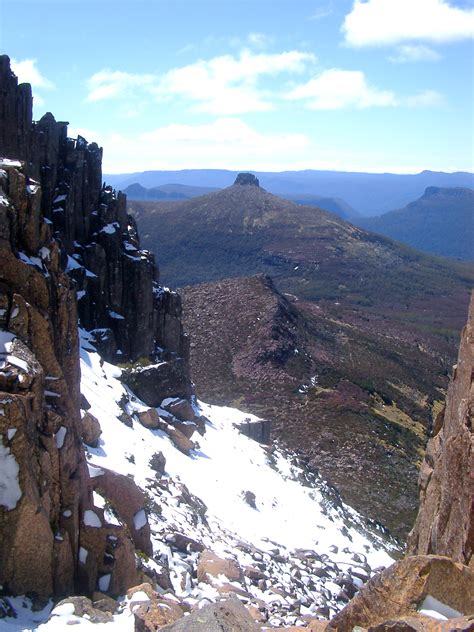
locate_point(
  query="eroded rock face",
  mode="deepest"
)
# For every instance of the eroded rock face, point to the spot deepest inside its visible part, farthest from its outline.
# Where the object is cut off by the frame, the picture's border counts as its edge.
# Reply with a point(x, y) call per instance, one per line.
point(67, 249)
point(445, 522)
point(401, 589)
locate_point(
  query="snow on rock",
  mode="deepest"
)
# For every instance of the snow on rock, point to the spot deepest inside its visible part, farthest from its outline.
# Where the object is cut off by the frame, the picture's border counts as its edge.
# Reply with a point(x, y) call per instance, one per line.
point(432, 607)
point(140, 519)
point(104, 583)
point(10, 491)
point(60, 437)
point(294, 529)
point(91, 519)
point(83, 553)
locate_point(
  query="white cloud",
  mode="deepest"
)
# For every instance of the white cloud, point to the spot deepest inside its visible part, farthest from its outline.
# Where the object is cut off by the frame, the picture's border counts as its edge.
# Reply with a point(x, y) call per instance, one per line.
point(225, 85)
point(379, 22)
point(335, 89)
point(322, 12)
point(414, 52)
point(424, 99)
point(259, 40)
point(228, 85)
point(27, 72)
point(108, 84)
point(225, 143)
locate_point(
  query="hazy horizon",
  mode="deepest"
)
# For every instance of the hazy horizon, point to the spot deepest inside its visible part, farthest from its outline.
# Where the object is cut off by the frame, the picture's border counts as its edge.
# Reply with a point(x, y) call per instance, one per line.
point(374, 86)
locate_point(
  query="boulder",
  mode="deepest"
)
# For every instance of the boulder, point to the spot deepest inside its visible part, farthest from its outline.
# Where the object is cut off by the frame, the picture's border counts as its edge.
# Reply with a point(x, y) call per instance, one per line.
point(258, 430)
point(128, 500)
point(210, 566)
point(90, 430)
point(400, 590)
point(158, 463)
point(152, 384)
point(155, 614)
point(150, 419)
point(83, 608)
point(180, 408)
point(225, 616)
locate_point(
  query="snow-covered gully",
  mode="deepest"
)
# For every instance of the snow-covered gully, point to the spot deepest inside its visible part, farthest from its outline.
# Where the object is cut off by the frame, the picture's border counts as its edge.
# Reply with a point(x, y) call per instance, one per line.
point(300, 549)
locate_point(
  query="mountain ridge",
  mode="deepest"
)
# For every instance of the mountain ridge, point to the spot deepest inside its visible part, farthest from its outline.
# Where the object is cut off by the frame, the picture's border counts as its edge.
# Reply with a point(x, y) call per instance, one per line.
point(367, 193)
point(440, 222)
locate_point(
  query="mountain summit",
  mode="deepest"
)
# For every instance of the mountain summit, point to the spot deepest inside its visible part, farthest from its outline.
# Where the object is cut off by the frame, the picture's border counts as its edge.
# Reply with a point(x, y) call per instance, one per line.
point(247, 179)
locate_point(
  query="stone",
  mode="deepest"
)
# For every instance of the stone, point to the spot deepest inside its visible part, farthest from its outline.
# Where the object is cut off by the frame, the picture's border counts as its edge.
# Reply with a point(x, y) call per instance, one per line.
point(154, 383)
point(83, 606)
point(90, 430)
point(258, 430)
point(156, 614)
point(145, 588)
point(249, 498)
point(103, 602)
point(180, 440)
point(400, 589)
point(158, 463)
point(181, 408)
point(150, 419)
point(225, 616)
point(210, 566)
point(128, 500)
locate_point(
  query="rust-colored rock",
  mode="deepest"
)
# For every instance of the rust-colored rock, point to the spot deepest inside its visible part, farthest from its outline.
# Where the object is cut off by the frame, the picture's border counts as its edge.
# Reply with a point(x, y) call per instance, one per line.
point(445, 522)
point(401, 589)
point(90, 430)
point(128, 501)
point(210, 566)
point(155, 614)
point(225, 616)
point(150, 419)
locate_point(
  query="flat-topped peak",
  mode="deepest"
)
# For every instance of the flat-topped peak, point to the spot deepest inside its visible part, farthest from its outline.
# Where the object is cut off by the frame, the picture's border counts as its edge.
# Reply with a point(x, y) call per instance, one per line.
point(247, 179)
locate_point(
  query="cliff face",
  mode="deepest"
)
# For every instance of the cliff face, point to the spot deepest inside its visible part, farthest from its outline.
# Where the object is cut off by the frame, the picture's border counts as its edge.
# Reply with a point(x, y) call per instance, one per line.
point(445, 522)
point(63, 235)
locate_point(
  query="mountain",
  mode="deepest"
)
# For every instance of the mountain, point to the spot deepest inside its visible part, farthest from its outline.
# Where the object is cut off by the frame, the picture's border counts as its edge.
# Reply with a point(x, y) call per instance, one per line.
point(165, 192)
point(440, 222)
point(127, 504)
point(333, 205)
point(367, 193)
point(343, 392)
point(244, 230)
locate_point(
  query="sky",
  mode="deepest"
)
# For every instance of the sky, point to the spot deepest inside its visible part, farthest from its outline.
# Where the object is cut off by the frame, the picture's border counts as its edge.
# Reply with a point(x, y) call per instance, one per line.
point(270, 85)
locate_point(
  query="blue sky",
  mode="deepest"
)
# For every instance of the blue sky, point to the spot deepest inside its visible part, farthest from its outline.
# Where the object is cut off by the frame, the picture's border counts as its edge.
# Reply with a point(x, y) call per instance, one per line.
point(366, 85)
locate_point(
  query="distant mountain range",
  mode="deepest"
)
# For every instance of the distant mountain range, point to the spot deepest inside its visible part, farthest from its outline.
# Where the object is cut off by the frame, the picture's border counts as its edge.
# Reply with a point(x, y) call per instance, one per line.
point(440, 222)
point(172, 192)
point(165, 192)
point(367, 193)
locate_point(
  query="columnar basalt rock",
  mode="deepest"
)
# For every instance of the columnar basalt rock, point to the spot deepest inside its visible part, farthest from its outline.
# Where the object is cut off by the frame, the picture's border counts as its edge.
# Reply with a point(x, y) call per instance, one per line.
point(67, 250)
point(445, 522)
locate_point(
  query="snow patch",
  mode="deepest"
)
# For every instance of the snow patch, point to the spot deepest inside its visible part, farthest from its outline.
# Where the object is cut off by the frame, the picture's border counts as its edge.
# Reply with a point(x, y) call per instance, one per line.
point(83, 553)
point(60, 436)
point(104, 582)
point(11, 432)
point(10, 491)
point(140, 519)
point(436, 609)
point(91, 519)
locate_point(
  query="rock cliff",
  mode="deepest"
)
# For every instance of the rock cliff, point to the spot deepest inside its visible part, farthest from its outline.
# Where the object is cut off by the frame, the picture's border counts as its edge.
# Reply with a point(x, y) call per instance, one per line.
point(445, 522)
point(67, 250)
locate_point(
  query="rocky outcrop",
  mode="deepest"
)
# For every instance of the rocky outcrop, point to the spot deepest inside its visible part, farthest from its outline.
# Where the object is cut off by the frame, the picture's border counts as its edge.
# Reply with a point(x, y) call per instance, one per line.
point(246, 179)
point(445, 522)
point(407, 587)
point(67, 250)
point(226, 616)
